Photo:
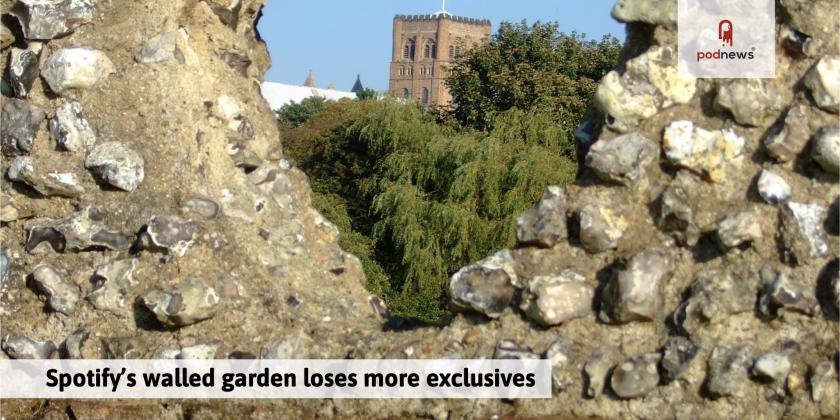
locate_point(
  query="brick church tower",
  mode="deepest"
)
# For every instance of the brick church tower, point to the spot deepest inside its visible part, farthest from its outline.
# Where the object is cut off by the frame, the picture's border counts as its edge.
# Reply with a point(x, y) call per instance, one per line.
point(423, 48)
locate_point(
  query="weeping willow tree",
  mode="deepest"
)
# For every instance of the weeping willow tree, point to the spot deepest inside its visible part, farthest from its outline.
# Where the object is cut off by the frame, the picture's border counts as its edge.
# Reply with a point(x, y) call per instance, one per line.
point(417, 200)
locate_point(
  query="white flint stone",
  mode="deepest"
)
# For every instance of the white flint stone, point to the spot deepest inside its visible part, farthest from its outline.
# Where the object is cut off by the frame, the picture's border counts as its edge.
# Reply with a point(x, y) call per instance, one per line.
point(552, 300)
point(809, 220)
point(826, 149)
point(70, 128)
point(649, 83)
point(710, 153)
point(824, 82)
point(772, 366)
point(773, 188)
point(487, 286)
point(119, 165)
point(75, 68)
point(738, 229)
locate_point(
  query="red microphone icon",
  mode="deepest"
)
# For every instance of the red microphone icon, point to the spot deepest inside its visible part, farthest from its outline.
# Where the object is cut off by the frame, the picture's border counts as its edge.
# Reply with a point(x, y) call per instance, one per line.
point(725, 30)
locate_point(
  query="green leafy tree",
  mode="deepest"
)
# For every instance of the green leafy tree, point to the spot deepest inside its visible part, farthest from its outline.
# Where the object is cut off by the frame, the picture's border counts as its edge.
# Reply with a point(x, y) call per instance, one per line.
point(296, 114)
point(530, 67)
point(366, 94)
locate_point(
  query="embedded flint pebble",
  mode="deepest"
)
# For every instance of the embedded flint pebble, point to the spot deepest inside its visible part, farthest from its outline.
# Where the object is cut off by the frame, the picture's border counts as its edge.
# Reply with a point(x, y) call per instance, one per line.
point(635, 376)
point(545, 224)
point(117, 164)
point(111, 281)
point(781, 292)
point(711, 154)
point(377, 306)
point(823, 375)
point(486, 287)
point(635, 294)
point(823, 80)
point(204, 207)
point(713, 296)
point(772, 188)
point(190, 302)
point(624, 159)
point(62, 295)
point(648, 84)
point(677, 355)
point(509, 350)
point(740, 228)
point(169, 233)
point(72, 346)
point(161, 49)
point(81, 231)
point(789, 138)
point(5, 264)
point(75, 68)
point(23, 68)
point(826, 150)
point(64, 184)
point(551, 300)
point(22, 347)
point(600, 228)
point(51, 19)
point(70, 128)
point(773, 368)
point(753, 102)
point(676, 217)
point(728, 371)
point(560, 353)
point(596, 368)
point(20, 126)
point(803, 237)
point(8, 210)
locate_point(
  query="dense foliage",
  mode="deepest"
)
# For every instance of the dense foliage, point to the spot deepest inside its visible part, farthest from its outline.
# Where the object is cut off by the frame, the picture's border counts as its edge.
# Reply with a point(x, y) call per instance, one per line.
point(530, 67)
point(417, 198)
point(296, 113)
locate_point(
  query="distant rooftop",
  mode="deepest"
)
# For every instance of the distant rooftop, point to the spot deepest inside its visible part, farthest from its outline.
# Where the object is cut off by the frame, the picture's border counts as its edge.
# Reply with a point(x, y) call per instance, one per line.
point(279, 94)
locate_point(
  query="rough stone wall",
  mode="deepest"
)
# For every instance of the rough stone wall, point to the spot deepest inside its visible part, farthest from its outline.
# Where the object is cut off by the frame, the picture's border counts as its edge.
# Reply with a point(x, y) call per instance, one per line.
point(195, 199)
point(690, 272)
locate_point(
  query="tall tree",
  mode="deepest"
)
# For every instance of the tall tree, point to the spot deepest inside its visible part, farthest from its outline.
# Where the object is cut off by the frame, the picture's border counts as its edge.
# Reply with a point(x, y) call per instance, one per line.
point(528, 67)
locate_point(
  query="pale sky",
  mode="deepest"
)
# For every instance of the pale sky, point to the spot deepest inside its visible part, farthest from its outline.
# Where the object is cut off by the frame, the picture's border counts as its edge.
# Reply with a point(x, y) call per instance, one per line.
point(338, 39)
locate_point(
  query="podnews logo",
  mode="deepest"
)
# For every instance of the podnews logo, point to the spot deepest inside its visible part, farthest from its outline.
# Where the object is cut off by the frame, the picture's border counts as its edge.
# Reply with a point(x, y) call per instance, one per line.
point(726, 34)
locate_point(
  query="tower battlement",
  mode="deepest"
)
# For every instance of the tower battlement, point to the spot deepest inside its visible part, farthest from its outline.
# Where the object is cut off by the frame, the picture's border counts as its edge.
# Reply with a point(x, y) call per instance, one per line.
point(434, 17)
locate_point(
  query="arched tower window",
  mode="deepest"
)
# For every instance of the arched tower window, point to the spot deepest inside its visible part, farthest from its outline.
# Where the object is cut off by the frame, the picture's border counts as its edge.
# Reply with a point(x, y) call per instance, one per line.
point(451, 51)
point(425, 96)
point(408, 49)
point(406, 94)
point(430, 50)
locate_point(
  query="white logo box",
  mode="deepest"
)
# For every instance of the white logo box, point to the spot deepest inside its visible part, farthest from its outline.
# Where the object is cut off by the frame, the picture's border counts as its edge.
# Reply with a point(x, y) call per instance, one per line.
point(727, 38)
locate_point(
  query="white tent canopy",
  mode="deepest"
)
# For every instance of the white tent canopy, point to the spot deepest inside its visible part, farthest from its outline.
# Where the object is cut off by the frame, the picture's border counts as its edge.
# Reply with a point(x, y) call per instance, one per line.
point(279, 94)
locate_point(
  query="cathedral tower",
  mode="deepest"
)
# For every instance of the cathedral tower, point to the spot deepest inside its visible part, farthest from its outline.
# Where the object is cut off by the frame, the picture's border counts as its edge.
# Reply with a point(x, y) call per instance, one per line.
point(424, 46)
